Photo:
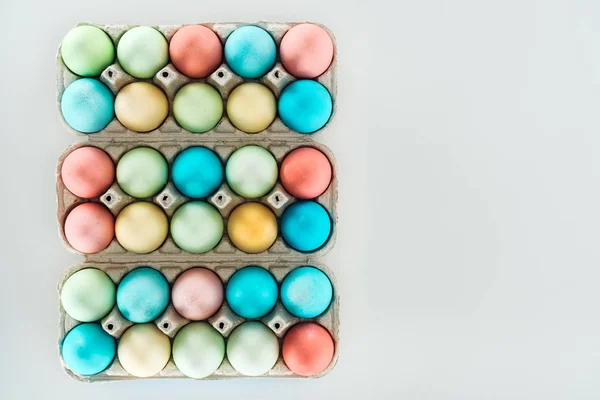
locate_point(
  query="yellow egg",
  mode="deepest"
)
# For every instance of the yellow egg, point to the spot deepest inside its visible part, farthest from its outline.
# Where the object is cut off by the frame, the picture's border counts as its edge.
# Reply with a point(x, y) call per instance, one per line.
point(144, 350)
point(141, 106)
point(251, 107)
point(141, 227)
point(252, 227)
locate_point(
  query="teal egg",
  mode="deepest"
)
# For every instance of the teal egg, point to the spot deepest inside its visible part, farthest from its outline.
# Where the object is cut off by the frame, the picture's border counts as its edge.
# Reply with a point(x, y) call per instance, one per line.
point(250, 52)
point(197, 172)
point(306, 292)
point(305, 226)
point(251, 292)
point(305, 106)
point(87, 105)
point(142, 295)
point(88, 349)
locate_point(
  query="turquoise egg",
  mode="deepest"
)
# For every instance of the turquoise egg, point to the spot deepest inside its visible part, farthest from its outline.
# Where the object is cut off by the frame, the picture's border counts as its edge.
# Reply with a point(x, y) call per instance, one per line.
point(197, 172)
point(306, 292)
point(305, 106)
point(87, 105)
point(251, 292)
point(142, 295)
point(305, 226)
point(250, 52)
point(88, 349)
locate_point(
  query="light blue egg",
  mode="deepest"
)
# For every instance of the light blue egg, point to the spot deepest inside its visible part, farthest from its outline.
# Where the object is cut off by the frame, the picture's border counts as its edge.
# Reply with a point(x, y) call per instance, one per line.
point(306, 292)
point(251, 292)
point(250, 52)
point(305, 226)
point(305, 106)
point(197, 172)
point(88, 349)
point(142, 295)
point(87, 105)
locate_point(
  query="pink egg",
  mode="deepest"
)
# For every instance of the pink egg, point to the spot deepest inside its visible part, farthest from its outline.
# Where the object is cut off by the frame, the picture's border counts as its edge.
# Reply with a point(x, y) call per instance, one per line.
point(87, 172)
point(197, 294)
point(306, 51)
point(89, 228)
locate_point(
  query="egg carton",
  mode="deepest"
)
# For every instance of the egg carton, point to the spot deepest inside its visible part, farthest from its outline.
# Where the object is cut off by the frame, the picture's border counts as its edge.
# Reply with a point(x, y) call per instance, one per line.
point(279, 320)
point(224, 199)
point(170, 80)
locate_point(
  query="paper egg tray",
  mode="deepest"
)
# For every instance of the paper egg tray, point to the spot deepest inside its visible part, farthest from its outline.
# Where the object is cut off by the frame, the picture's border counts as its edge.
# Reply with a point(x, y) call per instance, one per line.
point(223, 79)
point(225, 200)
point(224, 320)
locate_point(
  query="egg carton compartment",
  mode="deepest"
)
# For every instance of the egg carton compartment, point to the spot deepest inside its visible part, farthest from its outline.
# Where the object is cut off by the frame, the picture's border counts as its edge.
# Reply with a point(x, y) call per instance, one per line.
point(170, 80)
point(224, 199)
point(279, 320)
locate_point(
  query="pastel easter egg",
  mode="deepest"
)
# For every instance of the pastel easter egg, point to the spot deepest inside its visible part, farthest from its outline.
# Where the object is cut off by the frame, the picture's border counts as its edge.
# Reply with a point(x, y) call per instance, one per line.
point(87, 105)
point(144, 350)
point(251, 171)
point(87, 172)
point(305, 106)
point(252, 348)
point(251, 292)
point(87, 50)
point(197, 227)
point(88, 295)
point(198, 350)
point(250, 51)
point(306, 292)
point(142, 51)
point(307, 349)
point(141, 227)
point(143, 294)
point(306, 51)
point(88, 349)
point(305, 226)
point(89, 228)
point(252, 227)
point(197, 294)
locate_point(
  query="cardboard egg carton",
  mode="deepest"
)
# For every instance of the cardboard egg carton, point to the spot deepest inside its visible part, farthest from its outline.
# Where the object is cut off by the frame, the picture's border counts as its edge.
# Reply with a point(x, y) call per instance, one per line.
point(279, 320)
point(224, 199)
point(223, 79)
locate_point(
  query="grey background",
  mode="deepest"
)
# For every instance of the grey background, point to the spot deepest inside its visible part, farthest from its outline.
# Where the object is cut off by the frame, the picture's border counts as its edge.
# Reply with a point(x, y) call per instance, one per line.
point(467, 135)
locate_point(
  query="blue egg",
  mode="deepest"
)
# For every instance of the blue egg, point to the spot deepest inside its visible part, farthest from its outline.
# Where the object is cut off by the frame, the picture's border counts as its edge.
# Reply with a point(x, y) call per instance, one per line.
point(250, 52)
point(251, 292)
point(143, 295)
point(305, 225)
point(306, 292)
point(88, 349)
point(87, 105)
point(305, 106)
point(197, 172)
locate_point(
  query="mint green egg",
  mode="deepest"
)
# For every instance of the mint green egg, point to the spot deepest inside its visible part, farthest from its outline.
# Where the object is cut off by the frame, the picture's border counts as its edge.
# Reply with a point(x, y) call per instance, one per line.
point(87, 50)
point(198, 107)
point(142, 52)
point(251, 171)
point(198, 350)
point(197, 227)
point(252, 348)
point(142, 172)
point(88, 295)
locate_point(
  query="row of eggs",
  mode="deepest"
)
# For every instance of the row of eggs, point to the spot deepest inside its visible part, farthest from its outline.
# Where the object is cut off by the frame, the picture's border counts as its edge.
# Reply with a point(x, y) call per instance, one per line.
point(197, 172)
point(306, 51)
point(88, 106)
point(198, 349)
point(197, 227)
point(144, 293)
